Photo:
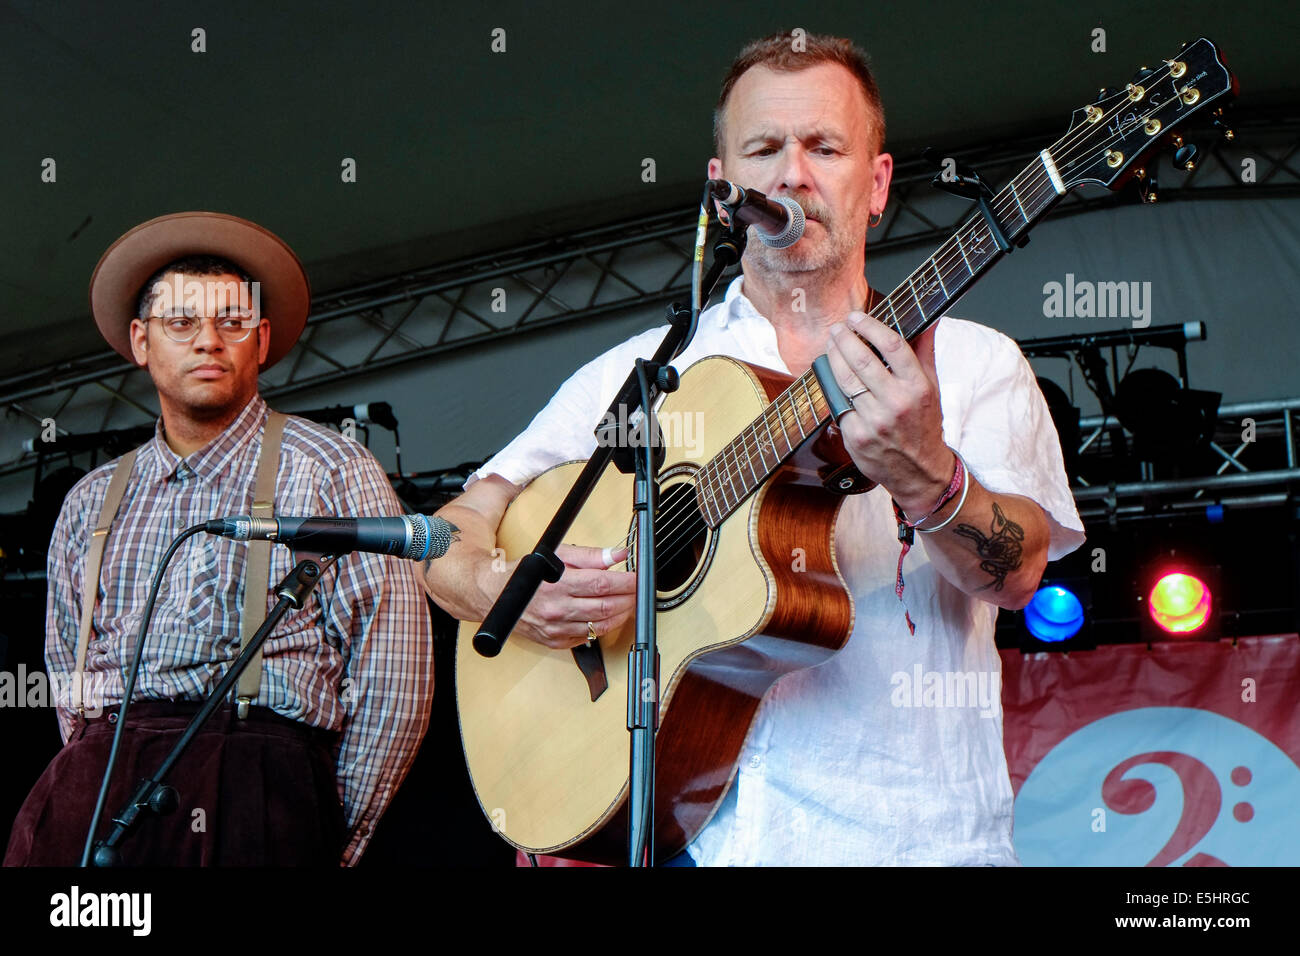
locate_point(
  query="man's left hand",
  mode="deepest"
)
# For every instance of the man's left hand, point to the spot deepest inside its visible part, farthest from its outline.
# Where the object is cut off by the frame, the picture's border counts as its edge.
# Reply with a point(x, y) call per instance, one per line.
point(894, 432)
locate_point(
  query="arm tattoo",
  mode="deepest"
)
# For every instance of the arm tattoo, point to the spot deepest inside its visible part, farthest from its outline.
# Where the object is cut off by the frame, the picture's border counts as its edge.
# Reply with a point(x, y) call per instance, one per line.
point(1000, 550)
point(455, 536)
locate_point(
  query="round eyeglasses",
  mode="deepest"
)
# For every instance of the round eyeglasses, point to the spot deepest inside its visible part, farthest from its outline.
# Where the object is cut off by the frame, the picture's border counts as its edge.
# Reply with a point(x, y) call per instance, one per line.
point(233, 327)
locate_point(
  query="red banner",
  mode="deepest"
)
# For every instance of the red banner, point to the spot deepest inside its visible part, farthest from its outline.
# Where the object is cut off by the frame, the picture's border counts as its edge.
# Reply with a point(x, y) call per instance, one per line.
point(1181, 754)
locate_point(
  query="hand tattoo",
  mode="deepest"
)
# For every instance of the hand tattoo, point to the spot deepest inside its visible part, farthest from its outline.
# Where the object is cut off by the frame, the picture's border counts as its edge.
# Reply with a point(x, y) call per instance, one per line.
point(1000, 550)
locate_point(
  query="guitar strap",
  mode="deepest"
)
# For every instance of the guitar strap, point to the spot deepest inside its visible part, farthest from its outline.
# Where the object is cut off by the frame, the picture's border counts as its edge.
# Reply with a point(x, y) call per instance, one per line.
point(256, 568)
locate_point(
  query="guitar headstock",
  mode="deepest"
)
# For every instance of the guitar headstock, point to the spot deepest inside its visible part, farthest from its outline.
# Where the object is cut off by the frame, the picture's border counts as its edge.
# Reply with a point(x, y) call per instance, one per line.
point(1110, 139)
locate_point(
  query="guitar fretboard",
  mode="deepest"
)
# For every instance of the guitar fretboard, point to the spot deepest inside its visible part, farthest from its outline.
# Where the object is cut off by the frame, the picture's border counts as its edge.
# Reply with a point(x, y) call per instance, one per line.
point(914, 305)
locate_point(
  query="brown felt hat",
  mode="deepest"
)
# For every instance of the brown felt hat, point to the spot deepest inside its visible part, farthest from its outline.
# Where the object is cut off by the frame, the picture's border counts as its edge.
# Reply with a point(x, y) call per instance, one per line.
point(123, 270)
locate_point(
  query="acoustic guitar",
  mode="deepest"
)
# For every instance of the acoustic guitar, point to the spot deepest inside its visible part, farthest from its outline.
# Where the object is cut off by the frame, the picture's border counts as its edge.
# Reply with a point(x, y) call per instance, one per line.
point(545, 731)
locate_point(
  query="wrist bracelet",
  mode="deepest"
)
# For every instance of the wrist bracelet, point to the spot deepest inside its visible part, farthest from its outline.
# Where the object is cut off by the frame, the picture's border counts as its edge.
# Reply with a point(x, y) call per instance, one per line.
point(954, 485)
point(907, 527)
point(965, 487)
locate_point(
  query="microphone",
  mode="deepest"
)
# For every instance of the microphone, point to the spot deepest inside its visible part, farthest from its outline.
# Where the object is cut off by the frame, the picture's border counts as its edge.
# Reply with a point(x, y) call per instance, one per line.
point(411, 536)
point(779, 222)
point(115, 440)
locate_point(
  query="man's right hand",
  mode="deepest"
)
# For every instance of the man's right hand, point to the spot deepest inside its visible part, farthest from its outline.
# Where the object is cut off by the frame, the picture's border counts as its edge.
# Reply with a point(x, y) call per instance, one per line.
point(470, 577)
point(587, 593)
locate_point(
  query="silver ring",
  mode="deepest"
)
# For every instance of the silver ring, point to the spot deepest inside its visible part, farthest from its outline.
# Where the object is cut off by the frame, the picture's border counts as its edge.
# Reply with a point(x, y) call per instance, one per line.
point(850, 398)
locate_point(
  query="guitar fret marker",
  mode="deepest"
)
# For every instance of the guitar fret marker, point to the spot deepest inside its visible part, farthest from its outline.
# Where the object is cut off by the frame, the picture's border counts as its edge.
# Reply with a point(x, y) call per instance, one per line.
point(803, 380)
point(768, 425)
point(893, 317)
point(749, 459)
point(785, 428)
point(939, 277)
point(730, 483)
point(1016, 197)
point(962, 249)
point(706, 496)
point(919, 308)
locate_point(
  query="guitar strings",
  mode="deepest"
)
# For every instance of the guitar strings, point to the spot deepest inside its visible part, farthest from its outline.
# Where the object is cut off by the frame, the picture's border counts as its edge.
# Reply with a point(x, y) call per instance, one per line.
point(685, 519)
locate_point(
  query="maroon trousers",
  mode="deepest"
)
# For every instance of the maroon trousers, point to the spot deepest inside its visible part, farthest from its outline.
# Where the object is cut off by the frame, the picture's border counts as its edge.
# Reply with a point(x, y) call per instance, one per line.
point(253, 792)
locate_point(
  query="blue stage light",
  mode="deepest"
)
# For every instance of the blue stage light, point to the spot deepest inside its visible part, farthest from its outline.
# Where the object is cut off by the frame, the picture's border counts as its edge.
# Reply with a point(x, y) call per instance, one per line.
point(1054, 614)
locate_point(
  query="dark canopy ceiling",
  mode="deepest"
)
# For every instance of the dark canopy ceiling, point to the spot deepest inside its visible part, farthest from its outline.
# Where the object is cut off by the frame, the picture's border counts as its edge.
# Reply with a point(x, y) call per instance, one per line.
point(460, 149)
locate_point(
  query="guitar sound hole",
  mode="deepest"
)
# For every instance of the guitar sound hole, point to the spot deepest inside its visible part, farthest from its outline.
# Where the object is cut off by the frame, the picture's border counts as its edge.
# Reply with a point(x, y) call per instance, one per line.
point(683, 544)
point(680, 537)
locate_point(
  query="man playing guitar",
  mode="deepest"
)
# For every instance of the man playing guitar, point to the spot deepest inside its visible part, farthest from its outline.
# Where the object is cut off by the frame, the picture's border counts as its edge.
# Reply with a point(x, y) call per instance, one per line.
point(843, 764)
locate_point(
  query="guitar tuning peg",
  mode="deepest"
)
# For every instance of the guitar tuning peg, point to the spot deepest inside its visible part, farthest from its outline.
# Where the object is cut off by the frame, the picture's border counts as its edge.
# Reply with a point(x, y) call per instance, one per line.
point(1185, 156)
point(1105, 92)
point(1220, 122)
point(1142, 74)
point(1148, 189)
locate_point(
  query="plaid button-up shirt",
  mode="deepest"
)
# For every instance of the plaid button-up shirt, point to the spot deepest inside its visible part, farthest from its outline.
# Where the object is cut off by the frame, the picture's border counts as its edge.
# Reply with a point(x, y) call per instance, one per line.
point(358, 657)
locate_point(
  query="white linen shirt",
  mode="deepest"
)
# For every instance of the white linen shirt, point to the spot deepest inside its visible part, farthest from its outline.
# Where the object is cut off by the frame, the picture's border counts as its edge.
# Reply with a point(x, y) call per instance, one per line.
point(890, 752)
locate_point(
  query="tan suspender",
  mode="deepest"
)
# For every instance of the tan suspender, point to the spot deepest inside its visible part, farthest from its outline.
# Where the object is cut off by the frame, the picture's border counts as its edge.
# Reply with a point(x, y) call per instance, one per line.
point(94, 558)
point(257, 565)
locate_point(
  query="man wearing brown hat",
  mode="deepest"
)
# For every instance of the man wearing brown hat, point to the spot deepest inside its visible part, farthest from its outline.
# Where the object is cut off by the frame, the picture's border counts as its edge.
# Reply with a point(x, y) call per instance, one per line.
point(300, 766)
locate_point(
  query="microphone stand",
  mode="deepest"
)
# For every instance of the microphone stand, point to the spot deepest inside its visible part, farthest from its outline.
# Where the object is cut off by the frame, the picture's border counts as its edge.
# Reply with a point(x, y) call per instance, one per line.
point(159, 798)
point(640, 389)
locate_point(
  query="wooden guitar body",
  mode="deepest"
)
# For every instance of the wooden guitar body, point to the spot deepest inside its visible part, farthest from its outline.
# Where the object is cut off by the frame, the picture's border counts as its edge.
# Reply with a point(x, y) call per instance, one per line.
point(745, 603)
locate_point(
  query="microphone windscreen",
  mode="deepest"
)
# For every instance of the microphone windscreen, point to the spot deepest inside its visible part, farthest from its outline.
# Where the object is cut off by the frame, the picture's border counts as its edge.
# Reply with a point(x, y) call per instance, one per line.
point(793, 231)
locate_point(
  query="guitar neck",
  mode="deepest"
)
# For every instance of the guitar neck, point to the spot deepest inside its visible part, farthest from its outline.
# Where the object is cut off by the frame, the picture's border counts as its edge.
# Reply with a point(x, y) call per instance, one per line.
point(913, 306)
point(965, 256)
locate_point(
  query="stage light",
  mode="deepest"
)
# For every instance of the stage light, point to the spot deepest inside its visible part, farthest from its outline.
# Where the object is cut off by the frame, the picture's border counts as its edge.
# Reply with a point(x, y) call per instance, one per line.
point(1168, 421)
point(1180, 603)
point(1054, 614)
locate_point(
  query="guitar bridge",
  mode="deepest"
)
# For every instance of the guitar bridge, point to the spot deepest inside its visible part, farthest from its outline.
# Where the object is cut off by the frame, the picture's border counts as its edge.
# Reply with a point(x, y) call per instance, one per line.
point(591, 661)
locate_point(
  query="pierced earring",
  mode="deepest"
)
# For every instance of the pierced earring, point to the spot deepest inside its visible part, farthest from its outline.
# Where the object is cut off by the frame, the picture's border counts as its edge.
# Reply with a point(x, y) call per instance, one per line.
point(874, 219)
